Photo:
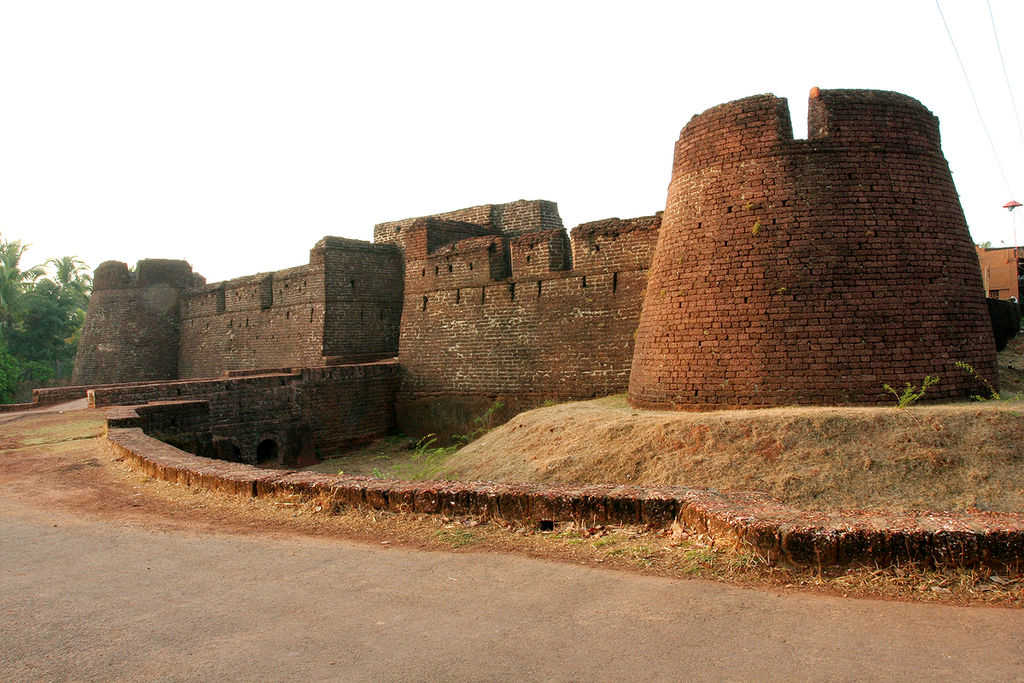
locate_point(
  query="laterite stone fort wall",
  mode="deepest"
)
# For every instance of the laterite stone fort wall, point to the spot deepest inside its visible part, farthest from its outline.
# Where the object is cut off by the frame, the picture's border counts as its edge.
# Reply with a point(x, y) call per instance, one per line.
point(511, 219)
point(324, 408)
point(521, 320)
point(163, 322)
point(132, 328)
point(345, 305)
point(810, 271)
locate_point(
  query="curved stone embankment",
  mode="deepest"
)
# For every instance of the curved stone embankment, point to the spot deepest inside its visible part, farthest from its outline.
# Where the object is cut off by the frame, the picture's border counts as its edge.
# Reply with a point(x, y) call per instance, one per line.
point(750, 521)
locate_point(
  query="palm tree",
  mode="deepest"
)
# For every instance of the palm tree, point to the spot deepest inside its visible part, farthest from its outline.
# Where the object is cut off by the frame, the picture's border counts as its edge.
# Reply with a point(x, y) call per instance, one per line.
point(14, 281)
point(72, 278)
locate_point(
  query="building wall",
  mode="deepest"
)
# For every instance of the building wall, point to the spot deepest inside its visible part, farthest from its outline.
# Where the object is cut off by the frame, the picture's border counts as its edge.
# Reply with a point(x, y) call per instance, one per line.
point(325, 408)
point(511, 219)
point(164, 322)
point(363, 298)
point(269, 320)
point(487, 319)
point(810, 271)
point(999, 272)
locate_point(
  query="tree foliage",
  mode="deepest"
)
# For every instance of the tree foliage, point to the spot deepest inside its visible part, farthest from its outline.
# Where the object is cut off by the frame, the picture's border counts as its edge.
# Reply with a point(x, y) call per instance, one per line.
point(42, 309)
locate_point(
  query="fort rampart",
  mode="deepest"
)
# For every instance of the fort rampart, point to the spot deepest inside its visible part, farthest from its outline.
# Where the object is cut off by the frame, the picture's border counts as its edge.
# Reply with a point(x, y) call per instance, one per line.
point(519, 321)
point(782, 271)
point(163, 322)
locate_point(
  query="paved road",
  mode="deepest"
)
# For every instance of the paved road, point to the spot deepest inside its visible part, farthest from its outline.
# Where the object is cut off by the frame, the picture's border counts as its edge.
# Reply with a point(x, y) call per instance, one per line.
point(86, 596)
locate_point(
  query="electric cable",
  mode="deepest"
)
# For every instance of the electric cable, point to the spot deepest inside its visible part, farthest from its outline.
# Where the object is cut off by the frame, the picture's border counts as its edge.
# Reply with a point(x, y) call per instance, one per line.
point(974, 99)
point(1006, 76)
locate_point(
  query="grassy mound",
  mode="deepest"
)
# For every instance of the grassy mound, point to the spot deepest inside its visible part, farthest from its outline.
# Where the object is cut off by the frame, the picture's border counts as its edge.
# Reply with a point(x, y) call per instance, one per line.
point(944, 457)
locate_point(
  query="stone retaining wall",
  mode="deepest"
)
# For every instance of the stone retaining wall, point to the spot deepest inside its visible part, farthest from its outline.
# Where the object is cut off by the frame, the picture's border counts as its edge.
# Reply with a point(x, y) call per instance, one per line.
point(750, 521)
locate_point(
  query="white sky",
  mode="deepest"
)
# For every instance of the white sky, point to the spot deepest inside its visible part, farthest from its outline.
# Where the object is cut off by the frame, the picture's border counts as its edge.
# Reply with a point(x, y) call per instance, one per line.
point(236, 134)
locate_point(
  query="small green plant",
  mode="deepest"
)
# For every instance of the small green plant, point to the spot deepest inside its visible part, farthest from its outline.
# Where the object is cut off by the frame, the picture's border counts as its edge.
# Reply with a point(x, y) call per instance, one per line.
point(456, 538)
point(993, 395)
point(911, 394)
point(485, 423)
point(757, 227)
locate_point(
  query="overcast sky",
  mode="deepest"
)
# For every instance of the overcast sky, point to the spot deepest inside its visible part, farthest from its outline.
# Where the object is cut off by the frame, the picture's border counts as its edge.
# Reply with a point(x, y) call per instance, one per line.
point(236, 134)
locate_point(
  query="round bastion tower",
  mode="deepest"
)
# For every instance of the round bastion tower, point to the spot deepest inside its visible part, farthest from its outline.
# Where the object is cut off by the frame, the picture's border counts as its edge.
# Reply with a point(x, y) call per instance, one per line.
point(810, 271)
point(133, 324)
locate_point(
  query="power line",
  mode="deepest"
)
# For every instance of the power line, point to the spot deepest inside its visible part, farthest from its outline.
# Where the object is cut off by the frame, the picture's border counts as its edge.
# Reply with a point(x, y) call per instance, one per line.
point(1006, 76)
point(974, 99)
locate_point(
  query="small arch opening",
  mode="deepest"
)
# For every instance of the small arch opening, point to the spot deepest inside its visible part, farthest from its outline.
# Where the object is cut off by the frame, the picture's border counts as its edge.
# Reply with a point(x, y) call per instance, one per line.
point(267, 453)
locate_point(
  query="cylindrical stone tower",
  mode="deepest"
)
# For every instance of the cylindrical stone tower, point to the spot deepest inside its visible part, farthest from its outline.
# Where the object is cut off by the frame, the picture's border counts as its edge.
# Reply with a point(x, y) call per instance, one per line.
point(810, 271)
point(133, 325)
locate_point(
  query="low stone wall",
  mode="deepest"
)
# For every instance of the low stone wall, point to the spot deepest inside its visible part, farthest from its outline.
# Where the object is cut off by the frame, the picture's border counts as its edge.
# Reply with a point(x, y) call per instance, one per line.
point(52, 396)
point(171, 417)
point(325, 408)
point(751, 521)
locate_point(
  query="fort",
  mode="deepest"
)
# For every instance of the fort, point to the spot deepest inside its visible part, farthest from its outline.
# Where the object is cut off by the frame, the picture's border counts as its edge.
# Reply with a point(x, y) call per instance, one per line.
point(781, 272)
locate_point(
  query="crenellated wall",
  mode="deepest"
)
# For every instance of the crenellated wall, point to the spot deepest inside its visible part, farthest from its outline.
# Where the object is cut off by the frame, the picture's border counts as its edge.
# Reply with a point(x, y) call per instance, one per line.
point(512, 219)
point(810, 271)
point(343, 306)
point(523, 320)
point(164, 322)
point(266, 320)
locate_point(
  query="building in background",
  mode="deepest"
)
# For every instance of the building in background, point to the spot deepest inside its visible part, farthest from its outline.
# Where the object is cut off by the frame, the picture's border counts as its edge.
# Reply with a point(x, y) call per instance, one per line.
point(1000, 272)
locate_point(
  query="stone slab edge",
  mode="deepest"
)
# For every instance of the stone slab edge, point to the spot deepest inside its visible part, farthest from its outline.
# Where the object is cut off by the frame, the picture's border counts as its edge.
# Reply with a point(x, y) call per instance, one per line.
point(751, 521)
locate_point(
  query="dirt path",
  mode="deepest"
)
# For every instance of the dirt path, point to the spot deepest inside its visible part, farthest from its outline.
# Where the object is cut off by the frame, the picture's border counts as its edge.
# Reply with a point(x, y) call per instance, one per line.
point(100, 578)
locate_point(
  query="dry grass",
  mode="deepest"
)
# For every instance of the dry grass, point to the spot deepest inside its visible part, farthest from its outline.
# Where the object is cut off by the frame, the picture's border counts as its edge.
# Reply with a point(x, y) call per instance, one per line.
point(385, 458)
point(954, 457)
point(949, 457)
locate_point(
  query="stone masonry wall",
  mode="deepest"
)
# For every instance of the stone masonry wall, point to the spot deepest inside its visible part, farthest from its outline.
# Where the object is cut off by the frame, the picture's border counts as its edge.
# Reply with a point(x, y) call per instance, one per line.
point(810, 271)
point(363, 299)
point(259, 321)
point(520, 321)
point(133, 325)
point(511, 220)
point(345, 305)
point(327, 408)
